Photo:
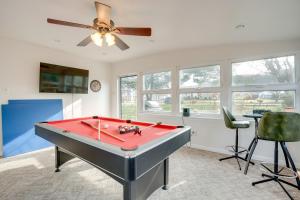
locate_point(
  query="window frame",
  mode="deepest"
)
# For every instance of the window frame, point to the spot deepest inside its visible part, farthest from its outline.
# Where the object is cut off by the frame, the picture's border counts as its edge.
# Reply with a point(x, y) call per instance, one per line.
point(270, 87)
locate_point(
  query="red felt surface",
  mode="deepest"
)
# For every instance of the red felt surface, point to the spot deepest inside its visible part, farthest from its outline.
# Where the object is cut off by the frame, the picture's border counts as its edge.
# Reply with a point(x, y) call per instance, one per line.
point(131, 140)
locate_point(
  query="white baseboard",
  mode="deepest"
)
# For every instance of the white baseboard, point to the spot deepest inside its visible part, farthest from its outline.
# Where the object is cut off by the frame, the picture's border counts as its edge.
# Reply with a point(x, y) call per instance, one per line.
point(255, 156)
point(28, 153)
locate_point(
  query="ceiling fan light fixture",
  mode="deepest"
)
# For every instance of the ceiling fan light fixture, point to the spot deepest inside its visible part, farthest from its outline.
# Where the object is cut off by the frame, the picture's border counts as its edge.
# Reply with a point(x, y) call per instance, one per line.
point(110, 39)
point(104, 29)
point(97, 39)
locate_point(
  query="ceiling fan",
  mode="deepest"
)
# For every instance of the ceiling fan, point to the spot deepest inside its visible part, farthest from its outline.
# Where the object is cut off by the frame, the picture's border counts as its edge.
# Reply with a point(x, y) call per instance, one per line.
point(104, 29)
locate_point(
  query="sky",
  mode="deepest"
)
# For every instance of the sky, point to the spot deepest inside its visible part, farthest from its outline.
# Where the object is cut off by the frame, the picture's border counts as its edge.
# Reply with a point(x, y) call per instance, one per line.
point(255, 67)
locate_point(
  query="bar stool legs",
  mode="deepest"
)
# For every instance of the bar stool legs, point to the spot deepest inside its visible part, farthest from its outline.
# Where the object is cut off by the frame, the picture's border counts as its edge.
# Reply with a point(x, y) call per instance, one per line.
point(285, 155)
point(252, 149)
point(236, 151)
point(276, 172)
point(289, 159)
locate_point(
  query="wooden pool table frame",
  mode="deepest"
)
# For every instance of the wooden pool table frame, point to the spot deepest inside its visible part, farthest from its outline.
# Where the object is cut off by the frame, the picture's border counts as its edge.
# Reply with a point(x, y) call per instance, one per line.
point(141, 171)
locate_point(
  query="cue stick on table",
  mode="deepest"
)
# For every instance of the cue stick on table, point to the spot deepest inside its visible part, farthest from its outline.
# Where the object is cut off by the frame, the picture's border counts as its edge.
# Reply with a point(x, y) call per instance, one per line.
point(107, 133)
point(158, 123)
point(99, 129)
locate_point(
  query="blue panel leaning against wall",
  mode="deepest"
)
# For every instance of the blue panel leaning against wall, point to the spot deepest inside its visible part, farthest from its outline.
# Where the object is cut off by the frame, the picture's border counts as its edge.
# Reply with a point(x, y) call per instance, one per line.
point(18, 119)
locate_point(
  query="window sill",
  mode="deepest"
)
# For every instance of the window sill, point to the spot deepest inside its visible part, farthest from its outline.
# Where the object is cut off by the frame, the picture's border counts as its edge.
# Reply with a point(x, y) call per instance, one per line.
point(212, 116)
point(166, 114)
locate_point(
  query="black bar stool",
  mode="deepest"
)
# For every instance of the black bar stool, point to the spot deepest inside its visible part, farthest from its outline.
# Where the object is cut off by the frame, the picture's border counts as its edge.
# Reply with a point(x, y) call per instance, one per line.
point(280, 127)
point(257, 115)
point(232, 123)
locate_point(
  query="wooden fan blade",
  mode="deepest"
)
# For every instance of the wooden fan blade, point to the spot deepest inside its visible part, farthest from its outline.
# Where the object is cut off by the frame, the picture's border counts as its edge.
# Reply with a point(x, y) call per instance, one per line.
point(85, 42)
point(103, 12)
point(134, 31)
point(122, 45)
point(65, 23)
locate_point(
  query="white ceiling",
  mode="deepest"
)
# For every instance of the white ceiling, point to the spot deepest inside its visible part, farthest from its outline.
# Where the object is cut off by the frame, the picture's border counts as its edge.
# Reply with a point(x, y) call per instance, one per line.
point(175, 24)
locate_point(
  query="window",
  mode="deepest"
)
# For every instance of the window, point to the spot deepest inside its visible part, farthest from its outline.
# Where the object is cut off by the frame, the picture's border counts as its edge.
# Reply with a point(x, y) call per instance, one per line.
point(157, 81)
point(200, 89)
point(157, 92)
point(128, 98)
point(157, 102)
point(264, 84)
point(201, 102)
point(270, 84)
point(246, 102)
point(264, 72)
point(200, 77)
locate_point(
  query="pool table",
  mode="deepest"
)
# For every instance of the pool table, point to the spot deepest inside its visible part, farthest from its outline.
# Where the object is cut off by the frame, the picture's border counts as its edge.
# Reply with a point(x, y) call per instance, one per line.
point(140, 162)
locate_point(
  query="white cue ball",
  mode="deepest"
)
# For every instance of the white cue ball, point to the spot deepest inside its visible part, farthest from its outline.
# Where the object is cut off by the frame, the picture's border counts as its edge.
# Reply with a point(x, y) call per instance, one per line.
point(105, 126)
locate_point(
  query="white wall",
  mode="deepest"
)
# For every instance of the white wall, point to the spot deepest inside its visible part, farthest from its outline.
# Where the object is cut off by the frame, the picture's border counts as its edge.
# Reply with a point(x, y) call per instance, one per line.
point(211, 133)
point(19, 78)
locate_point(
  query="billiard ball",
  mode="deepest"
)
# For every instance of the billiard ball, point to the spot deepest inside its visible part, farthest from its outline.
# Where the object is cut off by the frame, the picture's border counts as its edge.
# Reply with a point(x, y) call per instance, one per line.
point(105, 126)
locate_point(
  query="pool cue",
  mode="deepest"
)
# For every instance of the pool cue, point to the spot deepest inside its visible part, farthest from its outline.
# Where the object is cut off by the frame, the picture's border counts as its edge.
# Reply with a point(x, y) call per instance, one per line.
point(107, 133)
point(99, 129)
point(153, 125)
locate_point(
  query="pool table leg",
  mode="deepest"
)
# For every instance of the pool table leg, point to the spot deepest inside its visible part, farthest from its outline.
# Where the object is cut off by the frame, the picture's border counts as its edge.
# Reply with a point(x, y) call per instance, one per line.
point(128, 194)
point(57, 159)
point(144, 186)
point(166, 174)
point(61, 157)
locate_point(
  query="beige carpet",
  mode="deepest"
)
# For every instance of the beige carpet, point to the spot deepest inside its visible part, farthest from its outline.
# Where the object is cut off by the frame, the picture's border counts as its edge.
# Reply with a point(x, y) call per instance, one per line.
point(194, 175)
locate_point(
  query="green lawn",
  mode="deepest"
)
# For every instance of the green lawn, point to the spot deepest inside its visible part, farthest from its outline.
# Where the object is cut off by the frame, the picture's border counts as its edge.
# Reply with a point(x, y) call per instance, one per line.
point(129, 111)
point(166, 107)
point(202, 106)
point(247, 106)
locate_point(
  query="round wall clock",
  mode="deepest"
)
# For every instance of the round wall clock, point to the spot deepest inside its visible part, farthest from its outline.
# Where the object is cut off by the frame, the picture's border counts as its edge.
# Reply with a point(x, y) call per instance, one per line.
point(95, 86)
